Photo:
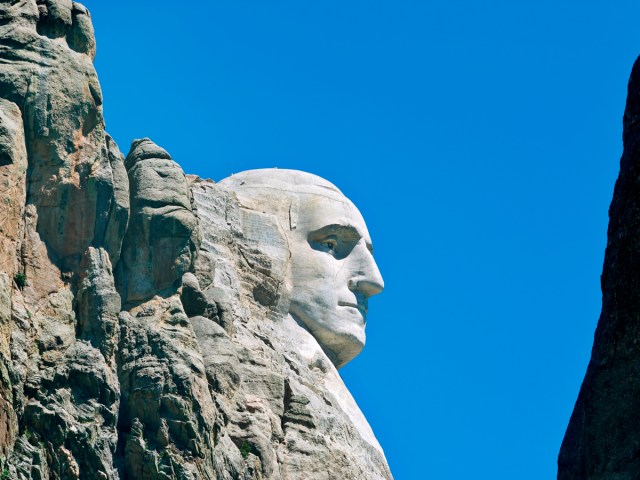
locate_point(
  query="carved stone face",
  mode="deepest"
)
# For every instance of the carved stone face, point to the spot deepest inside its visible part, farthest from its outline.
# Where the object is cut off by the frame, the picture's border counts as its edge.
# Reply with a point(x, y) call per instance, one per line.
point(333, 273)
point(331, 266)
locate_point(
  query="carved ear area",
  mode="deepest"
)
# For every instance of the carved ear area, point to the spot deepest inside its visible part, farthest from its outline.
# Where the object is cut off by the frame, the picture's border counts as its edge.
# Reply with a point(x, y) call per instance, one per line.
point(55, 17)
point(81, 37)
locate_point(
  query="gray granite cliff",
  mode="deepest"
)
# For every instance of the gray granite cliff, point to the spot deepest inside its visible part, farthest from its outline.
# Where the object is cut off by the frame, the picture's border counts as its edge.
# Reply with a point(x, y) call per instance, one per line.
point(144, 328)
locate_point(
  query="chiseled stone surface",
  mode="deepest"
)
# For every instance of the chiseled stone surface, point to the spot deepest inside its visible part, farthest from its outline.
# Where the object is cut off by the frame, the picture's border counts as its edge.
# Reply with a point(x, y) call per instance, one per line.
point(154, 325)
point(602, 440)
point(274, 379)
point(307, 225)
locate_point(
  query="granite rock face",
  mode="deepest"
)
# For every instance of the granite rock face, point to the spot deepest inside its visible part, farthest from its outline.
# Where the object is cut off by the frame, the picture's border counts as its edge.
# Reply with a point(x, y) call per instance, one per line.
point(161, 242)
point(602, 440)
point(146, 327)
point(278, 393)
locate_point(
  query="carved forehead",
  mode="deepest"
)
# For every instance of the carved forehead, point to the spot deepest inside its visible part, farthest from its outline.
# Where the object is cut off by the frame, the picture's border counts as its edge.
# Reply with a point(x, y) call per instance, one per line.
point(281, 192)
point(300, 201)
point(286, 182)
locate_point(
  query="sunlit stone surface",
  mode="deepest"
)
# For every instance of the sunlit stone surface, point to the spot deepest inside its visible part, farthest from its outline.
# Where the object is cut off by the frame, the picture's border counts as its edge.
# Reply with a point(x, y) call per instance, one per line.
point(288, 258)
point(154, 325)
point(331, 270)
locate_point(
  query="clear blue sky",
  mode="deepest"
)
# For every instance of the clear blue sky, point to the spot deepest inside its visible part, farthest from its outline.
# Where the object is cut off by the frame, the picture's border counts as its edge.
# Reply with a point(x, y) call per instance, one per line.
point(480, 140)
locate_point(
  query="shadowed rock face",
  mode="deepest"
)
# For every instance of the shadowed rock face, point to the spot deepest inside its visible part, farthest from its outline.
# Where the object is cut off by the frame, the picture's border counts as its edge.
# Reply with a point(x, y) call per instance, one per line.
point(146, 329)
point(602, 440)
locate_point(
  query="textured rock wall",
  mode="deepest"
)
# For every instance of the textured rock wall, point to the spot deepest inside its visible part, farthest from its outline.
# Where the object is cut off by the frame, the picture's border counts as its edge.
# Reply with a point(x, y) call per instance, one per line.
point(60, 393)
point(143, 331)
point(602, 440)
point(275, 389)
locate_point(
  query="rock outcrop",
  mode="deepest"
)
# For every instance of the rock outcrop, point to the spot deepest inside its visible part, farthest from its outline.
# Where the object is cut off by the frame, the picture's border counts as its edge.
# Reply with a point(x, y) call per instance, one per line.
point(602, 440)
point(277, 392)
point(161, 242)
point(144, 332)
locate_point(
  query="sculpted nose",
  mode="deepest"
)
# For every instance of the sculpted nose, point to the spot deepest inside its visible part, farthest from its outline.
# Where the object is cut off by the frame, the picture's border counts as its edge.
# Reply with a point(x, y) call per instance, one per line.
point(366, 278)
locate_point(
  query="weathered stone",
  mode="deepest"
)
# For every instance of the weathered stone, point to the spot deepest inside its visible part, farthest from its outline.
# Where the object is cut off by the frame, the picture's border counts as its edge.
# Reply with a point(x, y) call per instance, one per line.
point(61, 102)
point(13, 170)
point(113, 210)
point(167, 415)
point(70, 401)
point(206, 356)
point(277, 391)
point(8, 418)
point(58, 393)
point(98, 304)
point(55, 17)
point(195, 302)
point(602, 440)
point(81, 37)
point(162, 240)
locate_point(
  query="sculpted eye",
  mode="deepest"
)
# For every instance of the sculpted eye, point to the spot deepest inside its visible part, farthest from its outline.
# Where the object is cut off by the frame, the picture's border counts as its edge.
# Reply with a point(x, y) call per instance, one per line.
point(336, 240)
point(330, 244)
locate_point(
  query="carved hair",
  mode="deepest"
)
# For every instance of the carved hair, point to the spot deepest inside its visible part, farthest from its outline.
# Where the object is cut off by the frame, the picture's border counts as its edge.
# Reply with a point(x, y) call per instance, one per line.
point(278, 191)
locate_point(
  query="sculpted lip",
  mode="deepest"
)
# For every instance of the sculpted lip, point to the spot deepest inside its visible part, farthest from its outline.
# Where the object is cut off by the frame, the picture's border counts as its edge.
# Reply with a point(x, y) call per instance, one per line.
point(362, 308)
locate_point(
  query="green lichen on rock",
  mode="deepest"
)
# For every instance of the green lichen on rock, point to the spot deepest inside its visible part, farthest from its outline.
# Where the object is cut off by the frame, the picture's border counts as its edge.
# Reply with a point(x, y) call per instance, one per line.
point(20, 279)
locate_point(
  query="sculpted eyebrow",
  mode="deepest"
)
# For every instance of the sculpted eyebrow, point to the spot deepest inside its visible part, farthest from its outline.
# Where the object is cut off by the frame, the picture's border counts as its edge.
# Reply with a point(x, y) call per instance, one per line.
point(344, 231)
